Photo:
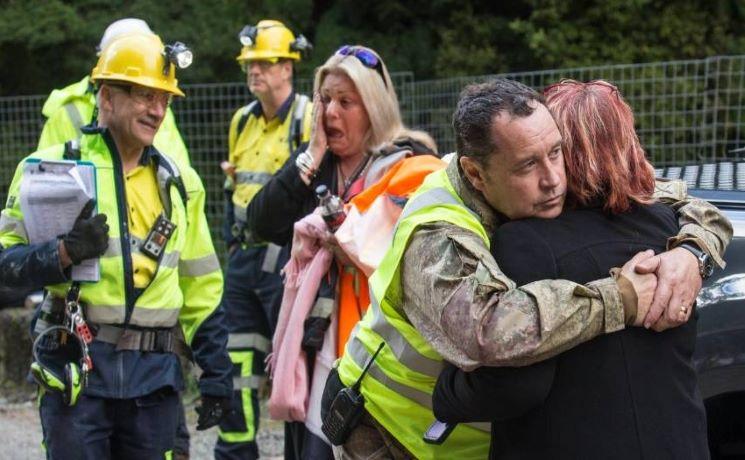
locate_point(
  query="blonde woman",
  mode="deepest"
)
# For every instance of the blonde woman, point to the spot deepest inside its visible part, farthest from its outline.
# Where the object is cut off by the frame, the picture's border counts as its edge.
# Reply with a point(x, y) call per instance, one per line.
point(357, 136)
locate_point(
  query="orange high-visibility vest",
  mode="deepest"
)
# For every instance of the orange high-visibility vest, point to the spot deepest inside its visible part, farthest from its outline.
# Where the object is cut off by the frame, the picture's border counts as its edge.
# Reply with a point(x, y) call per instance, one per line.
point(403, 179)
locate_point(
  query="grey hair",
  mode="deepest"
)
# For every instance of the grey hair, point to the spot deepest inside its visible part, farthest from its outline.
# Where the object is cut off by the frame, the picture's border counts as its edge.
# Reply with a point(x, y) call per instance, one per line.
point(477, 107)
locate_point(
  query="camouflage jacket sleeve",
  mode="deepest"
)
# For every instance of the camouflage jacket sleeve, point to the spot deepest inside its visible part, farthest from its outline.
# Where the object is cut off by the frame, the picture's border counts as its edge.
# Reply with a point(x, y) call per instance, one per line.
point(457, 297)
point(700, 221)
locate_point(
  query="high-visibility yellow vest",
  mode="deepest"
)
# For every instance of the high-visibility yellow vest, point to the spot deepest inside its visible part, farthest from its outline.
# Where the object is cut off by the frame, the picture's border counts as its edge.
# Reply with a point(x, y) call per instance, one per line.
point(187, 285)
point(70, 108)
point(259, 147)
point(398, 387)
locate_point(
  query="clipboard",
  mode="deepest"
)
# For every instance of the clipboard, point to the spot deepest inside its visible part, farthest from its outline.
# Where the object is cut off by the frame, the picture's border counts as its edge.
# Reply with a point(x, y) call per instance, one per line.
point(53, 192)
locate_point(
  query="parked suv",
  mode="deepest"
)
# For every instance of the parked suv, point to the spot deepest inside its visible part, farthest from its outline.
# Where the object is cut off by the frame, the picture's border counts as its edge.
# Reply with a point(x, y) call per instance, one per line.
point(720, 348)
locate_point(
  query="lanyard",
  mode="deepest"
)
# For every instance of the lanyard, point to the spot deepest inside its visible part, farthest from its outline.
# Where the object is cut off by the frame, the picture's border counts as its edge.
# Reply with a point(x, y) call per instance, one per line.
point(348, 184)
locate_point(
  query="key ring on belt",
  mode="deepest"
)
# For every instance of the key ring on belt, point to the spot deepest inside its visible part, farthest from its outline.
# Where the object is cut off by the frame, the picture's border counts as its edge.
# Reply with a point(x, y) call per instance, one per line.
point(75, 322)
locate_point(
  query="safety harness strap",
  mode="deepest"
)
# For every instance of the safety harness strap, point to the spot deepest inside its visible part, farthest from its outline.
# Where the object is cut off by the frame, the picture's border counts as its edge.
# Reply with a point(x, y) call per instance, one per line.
point(296, 124)
point(244, 118)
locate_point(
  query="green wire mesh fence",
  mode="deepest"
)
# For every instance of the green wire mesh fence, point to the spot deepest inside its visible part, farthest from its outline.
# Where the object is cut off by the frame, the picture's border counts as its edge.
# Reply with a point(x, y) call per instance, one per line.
point(686, 112)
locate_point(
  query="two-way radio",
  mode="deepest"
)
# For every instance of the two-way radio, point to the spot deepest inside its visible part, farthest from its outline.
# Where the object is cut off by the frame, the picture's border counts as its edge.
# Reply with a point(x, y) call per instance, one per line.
point(346, 409)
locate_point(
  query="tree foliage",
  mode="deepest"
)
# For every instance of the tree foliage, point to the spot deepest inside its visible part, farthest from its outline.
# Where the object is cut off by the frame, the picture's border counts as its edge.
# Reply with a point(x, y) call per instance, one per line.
point(586, 32)
point(46, 44)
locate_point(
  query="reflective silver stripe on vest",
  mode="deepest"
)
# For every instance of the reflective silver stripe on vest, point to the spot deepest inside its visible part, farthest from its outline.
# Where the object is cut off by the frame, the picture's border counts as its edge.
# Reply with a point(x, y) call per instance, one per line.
point(146, 317)
point(198, 267)
point(360, 356)
point(155, 317)
point(114, 249)
point(253, 382)
point(248, 340)
point(248, 177)
point(402, 349)
point(75, 118)
point(251, 177)
point(11, 224)
point(170, 259)
point(437, 195)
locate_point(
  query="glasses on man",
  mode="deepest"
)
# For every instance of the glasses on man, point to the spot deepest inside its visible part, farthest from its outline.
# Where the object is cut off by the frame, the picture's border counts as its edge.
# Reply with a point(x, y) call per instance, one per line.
point(264, 64)
point(365, 56)
point(146, 96)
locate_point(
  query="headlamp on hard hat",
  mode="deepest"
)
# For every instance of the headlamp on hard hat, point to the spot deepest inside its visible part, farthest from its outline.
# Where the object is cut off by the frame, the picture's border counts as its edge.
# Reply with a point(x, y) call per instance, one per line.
point(247, 35)
point(301, 45)
point(178, 54)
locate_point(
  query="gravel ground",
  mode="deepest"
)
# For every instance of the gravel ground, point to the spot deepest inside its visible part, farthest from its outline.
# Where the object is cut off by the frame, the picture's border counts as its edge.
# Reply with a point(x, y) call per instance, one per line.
point(20, 434)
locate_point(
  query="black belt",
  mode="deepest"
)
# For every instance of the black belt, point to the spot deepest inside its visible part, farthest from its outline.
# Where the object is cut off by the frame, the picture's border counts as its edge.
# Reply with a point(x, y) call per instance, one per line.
point(146, 339)
point(149, 340)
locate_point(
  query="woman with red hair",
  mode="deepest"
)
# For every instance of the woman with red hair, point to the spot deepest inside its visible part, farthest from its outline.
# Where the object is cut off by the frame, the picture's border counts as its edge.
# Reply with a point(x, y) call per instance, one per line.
point(630, 394)
point(603, 156)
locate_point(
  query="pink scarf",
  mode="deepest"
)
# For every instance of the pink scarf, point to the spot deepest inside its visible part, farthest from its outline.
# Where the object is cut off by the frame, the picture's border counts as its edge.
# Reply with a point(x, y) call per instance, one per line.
point(287, 364)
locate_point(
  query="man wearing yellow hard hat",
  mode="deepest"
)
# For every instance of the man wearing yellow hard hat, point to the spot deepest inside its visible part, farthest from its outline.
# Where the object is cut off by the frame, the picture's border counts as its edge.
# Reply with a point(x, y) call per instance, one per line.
point(261, 137)
point(106, 351)
point(70, 108)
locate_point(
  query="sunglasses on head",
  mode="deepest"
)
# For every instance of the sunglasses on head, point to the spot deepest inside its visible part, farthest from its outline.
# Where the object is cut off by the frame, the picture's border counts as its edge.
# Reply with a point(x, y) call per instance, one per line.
point(566, 82)
point(365, 56)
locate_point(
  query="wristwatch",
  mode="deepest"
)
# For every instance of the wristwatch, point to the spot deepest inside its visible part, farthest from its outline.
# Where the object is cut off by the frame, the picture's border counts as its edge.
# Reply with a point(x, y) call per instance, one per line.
point(705, 264)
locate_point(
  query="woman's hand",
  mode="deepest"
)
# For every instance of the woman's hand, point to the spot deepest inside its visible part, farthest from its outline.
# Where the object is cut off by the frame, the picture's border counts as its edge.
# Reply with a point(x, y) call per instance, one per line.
point(309, 161)
point(332, 244)
point(644, 285)
point(318, 142)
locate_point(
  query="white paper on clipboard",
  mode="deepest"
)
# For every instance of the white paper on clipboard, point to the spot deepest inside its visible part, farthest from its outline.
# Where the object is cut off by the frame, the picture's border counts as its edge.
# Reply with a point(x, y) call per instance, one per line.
point(52, 195)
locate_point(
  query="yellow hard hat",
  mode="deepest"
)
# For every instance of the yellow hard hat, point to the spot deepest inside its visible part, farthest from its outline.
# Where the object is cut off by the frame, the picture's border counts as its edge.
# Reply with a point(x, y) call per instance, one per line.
point(140, 59)
point(270, 40)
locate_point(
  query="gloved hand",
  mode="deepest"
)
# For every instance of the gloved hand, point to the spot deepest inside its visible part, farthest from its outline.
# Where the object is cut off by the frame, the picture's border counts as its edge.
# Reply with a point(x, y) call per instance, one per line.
point(211, 411)
point(89, 236)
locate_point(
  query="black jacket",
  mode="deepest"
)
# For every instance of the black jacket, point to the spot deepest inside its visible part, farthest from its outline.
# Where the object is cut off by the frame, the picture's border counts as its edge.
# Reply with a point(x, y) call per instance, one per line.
point(631, 394)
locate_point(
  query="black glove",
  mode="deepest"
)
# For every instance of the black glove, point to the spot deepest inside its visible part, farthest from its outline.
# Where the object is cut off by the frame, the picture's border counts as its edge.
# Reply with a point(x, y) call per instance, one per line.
point(89, 236)
point(212, 410)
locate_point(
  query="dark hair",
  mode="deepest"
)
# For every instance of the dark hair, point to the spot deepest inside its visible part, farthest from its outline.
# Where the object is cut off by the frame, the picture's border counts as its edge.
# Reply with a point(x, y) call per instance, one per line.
point(477, 107)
